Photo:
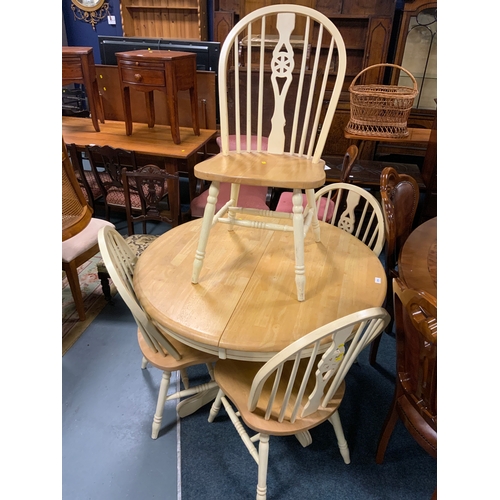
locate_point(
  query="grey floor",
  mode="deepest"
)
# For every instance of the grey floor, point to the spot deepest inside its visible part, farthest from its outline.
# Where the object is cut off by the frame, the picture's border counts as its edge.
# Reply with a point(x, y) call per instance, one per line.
point(108, 404)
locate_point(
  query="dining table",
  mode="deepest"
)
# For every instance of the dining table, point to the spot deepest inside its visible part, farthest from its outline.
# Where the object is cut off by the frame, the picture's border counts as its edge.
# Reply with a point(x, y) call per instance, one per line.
point(153, 144)
point(418, 260)
point(245, 305)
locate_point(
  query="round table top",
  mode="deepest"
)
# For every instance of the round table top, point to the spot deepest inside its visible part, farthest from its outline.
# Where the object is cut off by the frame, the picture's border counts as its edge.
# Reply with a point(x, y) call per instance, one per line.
point(245, 305)
point(418, 261)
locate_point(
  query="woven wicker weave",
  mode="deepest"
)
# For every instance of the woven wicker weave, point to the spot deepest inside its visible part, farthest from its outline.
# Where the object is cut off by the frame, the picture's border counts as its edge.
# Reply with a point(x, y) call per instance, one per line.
point(76, 213)
point(381, 110)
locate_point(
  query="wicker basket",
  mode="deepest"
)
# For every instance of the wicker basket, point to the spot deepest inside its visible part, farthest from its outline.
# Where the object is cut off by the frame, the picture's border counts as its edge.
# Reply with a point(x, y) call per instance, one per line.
point(381, 110)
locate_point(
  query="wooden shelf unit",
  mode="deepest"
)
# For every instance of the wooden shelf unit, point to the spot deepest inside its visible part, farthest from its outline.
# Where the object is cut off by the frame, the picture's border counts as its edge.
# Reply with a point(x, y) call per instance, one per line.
point(185, 19)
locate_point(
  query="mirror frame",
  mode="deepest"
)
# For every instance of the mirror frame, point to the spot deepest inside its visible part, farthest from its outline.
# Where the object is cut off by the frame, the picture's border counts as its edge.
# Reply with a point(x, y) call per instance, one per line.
point(90, 14)
point(92, 8)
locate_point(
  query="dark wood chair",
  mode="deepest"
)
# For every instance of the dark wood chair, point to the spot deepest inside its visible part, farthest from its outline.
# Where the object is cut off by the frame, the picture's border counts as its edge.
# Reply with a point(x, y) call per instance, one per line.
point(159, 200)
point(86, 178)
point(399, 195)
point(414, 401)
point(107, 163)
point(158, 192)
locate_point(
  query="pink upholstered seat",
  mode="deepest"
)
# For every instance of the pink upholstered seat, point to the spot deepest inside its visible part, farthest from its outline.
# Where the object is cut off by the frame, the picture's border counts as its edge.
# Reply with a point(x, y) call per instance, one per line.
point(285, 204)
point(250, 196)
point(76, 251)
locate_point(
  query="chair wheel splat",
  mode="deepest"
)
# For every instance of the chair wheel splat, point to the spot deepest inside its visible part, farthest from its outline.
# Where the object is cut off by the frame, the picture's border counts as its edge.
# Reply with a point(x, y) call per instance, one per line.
point(273, 122)
point(297, 389)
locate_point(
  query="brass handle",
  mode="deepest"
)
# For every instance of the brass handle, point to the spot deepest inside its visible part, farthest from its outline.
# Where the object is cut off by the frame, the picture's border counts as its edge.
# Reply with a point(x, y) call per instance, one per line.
point(138, 77)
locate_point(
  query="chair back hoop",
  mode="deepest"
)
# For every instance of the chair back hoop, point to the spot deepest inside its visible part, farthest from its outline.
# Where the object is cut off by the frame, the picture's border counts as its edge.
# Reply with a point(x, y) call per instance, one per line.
point(349, 159)
point(76, 213)
point(357, 212)
point(271, 49)
point(152, 184)
point(416, 341)
point(313, 367)
point(107, 162)
point(120, 262)
point(400, 196)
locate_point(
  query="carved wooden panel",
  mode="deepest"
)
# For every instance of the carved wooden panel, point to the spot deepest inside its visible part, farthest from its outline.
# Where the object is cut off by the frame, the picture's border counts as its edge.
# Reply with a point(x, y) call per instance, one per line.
point(223, 22)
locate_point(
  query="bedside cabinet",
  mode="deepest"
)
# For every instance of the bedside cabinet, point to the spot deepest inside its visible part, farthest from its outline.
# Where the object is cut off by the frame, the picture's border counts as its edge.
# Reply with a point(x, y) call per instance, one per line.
point(162, 70)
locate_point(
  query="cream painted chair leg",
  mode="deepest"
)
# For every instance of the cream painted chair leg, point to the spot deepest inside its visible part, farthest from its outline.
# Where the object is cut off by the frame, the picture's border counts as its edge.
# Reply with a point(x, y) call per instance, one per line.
point(144, 363)
point(263, 460)
point(206, 226)
point(337, 427)
point(314, 223)
point(160, 404)
point(210, 368)
point(298, 239)
point(184, 378)
point(235, 192)
point(215, 406)
point(304, 438)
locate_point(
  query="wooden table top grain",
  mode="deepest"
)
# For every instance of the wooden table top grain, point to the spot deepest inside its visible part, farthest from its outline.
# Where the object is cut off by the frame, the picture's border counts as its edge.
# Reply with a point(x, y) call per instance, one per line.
point(245, 304)
point(156, 141)
point(418, 260)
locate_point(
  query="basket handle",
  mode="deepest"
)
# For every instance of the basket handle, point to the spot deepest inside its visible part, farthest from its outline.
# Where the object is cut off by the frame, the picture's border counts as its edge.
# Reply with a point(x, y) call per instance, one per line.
point(385, 64)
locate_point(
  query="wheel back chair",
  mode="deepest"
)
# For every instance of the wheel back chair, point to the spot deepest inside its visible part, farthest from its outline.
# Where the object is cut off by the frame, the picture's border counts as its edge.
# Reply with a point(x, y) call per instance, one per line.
point(159, 349)
point(415, 395)
point(159, 198)
point(275, 43)
point(400, 196)
point(299, 388)
point(356, 211)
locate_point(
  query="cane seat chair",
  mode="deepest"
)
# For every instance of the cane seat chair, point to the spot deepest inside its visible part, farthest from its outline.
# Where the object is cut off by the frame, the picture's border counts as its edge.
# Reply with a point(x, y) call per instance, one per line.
point(356, 211)
point(86, 179)
point(285, 202)
point(79, 231)
point(400, 197)
point(159, 349)
point(299, 388)
point(415, 395)
point(295, 123)
point(159, 197)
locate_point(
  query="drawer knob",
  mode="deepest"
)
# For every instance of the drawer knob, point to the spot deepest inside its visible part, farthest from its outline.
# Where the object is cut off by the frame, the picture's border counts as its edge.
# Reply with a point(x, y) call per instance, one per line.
point(138, 77)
